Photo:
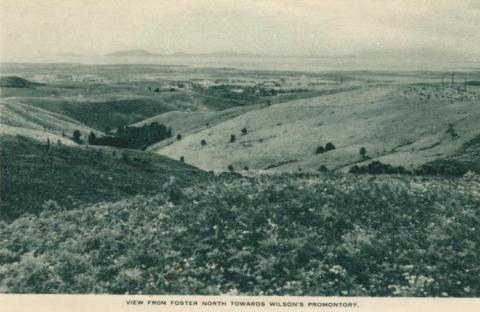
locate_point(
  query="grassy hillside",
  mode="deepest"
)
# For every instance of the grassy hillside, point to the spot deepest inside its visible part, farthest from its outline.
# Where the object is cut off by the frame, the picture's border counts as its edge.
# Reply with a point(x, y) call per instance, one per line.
point(34, 177)
point(185, 123)
point(38, 123)
point(287, 235)
point(99, 115)
point(404, 125)
point(16, 82)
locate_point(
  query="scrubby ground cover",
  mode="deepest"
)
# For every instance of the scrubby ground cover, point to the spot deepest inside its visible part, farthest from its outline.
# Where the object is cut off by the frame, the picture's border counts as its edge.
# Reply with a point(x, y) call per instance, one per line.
point(333, 234)
point(32, 173)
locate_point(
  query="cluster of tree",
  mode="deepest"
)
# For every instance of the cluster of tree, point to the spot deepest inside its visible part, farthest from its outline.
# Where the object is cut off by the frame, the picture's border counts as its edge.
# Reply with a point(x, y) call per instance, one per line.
point(444, 168)
point(328, 147)
point(441, 167)
point(133, 137)
point(377, 167)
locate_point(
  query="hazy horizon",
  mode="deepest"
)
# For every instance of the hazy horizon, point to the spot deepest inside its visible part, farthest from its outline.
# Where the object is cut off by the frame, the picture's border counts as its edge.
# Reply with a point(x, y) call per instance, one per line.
point(35, 31)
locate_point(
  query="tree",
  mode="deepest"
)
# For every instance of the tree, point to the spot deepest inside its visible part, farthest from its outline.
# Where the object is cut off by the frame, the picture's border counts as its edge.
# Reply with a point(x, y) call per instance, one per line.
point(245, 168)
point(323, 168)
point(329, 146)
point(182, 159)
point(451, 131)
point(230, 168)
point(320, 150)
point(76, 136)
point(354, 169)
point(232, 138)
point(92, 138)
point(179, 137)
point(48, 144)
point(363, 152)
point(244, 131)
point(203, 142)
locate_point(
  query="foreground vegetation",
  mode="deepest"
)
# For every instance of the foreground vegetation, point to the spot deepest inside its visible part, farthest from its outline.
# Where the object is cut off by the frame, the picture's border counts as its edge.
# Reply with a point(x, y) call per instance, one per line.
point(273, 235)
point(33, 173)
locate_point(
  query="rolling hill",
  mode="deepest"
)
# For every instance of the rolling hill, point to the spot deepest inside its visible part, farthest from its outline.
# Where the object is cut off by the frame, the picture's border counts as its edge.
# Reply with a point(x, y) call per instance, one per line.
point(37, 177)
point(17, 82)
point(37, 123)
point(401, 124)
point(185, 123)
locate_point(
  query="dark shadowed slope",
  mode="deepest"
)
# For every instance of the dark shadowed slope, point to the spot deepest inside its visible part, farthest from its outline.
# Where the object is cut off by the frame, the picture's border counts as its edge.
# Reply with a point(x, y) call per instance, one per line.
point(35, 176)
point(16, 82)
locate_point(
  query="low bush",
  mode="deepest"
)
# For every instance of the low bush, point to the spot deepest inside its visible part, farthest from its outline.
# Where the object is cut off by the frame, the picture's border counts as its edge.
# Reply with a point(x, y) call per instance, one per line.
point(328, 235)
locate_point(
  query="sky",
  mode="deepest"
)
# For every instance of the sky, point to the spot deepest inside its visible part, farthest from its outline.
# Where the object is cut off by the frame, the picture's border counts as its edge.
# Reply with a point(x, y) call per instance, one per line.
point(32, 29)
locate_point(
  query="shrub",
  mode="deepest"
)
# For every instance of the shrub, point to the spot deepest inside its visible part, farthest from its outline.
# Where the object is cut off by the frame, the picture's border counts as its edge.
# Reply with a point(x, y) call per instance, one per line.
point(451, 131)
point(179, 137)
point(320, 150)
point(274, 235)
point(232, 138)
point(76, 136)
point(92, 138)
point(323, 168)
point(244, 131)
point(329, 146)
point(354, 169)
point(203, 142)
point(363, 152)
point(182, 159)
point(377, 167)
point(245, 168)
point(230, 168)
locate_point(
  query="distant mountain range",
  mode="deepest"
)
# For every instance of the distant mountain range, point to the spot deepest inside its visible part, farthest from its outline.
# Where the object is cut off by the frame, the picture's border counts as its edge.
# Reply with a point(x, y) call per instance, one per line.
point(145, 53)
point(420, 55)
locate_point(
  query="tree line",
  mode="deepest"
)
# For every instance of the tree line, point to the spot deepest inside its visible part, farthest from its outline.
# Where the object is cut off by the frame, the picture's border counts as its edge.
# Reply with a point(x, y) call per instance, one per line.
point(130, 137)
